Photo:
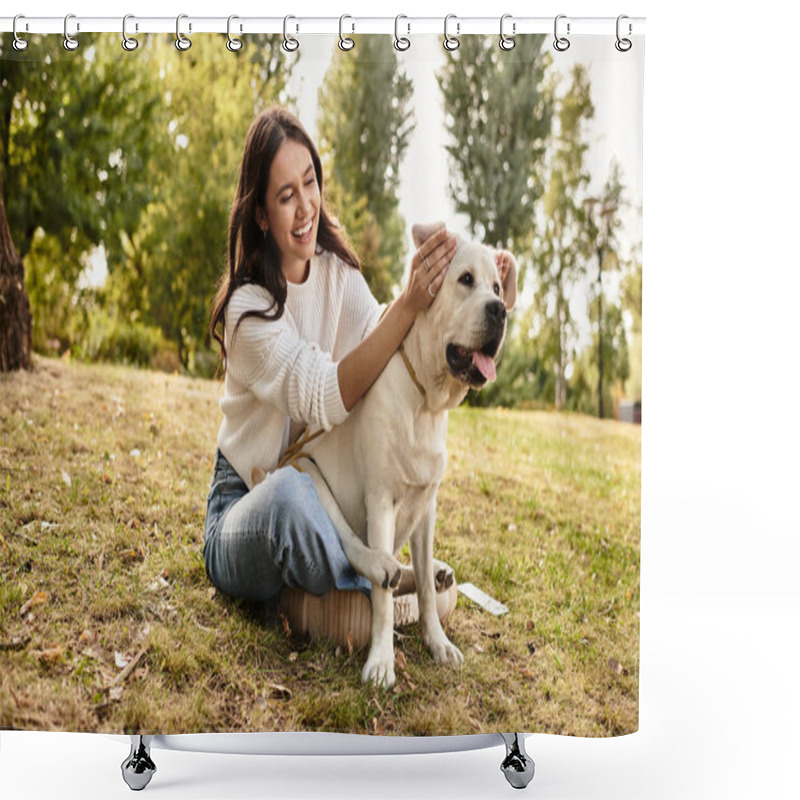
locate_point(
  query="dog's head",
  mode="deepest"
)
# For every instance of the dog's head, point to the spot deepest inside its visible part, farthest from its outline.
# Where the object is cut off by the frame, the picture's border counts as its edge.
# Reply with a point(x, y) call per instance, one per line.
point(467, 320)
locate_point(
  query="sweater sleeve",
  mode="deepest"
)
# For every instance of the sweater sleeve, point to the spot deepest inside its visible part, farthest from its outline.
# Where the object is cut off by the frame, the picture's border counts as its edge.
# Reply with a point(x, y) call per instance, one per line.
point(278, 366)
point(359, 315)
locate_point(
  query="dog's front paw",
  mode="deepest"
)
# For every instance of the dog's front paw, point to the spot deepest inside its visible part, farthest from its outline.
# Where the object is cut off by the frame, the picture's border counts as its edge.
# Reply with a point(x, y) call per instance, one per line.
point(379, 671)
point(443, 575)
point(445, 652)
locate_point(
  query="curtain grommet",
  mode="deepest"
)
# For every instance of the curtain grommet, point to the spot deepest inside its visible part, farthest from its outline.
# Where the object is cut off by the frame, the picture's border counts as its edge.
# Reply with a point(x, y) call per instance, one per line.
point(290, 44)
point(19, 43)
point(233, 44)
point(560, 43)
point(128, 42)
point(451, 43)
point(345, 42)
point(507, 42)
point(70, 42)
point(401, 43)
point(182, 42)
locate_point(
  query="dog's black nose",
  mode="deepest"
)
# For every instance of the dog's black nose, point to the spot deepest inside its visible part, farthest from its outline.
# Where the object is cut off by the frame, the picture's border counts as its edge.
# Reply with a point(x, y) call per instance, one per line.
point(496, 312)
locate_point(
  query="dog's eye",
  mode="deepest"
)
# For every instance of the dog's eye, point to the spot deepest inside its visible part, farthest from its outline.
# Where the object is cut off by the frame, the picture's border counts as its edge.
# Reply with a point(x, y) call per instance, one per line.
point(496, 288)
point(467, 279)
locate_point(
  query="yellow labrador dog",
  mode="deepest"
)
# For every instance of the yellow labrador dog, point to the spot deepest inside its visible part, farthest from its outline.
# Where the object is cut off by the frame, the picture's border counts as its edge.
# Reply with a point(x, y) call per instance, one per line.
point(378, 472)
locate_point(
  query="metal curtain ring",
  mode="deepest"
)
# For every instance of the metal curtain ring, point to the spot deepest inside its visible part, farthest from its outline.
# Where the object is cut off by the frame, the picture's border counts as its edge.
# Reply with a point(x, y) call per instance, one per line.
point(128, 42)
point(233, 44)
point(181, 41)
point(401, 42)
point(507, 42)
point(19, 43)
point(345, 42)
point(290, 44)
point(623, 45)
point(70, 42)
point(451, 42)
point(561, 43)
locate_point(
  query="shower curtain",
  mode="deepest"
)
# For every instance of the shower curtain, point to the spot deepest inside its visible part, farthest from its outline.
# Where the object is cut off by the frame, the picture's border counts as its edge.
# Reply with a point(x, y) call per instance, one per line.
point(118, 171)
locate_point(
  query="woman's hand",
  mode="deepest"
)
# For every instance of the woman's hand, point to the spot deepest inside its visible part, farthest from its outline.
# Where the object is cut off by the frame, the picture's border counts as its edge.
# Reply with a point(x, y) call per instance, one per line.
point(428, 268)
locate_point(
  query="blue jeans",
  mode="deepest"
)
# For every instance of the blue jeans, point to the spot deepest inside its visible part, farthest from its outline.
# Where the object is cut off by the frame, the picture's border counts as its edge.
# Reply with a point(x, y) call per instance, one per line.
point(275, 535)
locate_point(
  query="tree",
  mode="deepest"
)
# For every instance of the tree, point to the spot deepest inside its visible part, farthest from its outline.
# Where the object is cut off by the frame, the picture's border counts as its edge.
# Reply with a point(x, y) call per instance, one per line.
point(69, 148)
point(173, 258)
point(561, 248)
point(15, 313)
point(602, 229)
point(499, 115)
point(364, 129)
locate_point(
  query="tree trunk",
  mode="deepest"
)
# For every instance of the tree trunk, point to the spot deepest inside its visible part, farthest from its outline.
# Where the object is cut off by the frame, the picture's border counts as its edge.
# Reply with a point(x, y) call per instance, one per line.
point(15, 311)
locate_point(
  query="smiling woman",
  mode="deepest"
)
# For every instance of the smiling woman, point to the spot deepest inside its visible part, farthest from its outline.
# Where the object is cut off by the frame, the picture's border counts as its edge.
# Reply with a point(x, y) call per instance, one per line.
point(302, 340)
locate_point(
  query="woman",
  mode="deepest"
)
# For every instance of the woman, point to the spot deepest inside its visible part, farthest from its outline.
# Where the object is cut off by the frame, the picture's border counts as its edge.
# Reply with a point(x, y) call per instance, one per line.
point(302, 339)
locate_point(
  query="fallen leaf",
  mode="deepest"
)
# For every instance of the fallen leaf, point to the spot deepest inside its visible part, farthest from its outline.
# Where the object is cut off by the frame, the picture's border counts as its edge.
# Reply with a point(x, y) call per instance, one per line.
point(36, 600)
point(115, 693)
point(478, 649)
point(120, 660)
point(530, 625)
point(131, 665)
point(350, 647)
point(293, 656)
point(278, 692)
point(65, 477)
point(286, 627)
point(211, 593)
point(401, 660)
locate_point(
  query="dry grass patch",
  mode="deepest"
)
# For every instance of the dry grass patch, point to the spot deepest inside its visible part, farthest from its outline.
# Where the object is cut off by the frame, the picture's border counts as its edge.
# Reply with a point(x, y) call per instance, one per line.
point(109, 623)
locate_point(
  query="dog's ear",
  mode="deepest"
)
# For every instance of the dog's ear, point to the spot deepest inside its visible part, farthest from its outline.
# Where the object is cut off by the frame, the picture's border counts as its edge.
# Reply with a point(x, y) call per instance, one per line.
point(424, 232)
point(510, 280)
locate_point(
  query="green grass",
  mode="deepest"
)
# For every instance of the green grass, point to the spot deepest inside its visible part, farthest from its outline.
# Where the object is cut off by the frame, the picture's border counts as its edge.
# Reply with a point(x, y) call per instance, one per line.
point(540, 510)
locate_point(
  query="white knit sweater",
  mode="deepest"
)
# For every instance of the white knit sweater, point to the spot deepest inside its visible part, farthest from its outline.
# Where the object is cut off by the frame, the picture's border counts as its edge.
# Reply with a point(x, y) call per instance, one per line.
point(285, 371)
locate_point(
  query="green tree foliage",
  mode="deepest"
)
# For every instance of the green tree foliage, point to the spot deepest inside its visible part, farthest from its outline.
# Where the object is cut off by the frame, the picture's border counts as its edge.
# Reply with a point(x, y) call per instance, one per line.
point(137, 155)
point(364, 128)
point(562, 244)
point(499, 116)
point(632, 304)
point(72, 143)
point(174, 258)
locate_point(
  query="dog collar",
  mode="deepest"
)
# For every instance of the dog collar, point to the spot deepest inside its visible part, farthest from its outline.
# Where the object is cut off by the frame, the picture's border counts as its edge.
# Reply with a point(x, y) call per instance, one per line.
point(411, 371)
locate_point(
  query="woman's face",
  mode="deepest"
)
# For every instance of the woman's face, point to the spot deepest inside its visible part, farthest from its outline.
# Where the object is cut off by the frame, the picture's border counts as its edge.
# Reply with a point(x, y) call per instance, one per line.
point(292, 208)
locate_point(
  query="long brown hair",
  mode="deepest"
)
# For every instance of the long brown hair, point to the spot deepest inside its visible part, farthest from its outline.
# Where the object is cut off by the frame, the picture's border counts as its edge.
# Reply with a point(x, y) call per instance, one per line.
point(252, 256)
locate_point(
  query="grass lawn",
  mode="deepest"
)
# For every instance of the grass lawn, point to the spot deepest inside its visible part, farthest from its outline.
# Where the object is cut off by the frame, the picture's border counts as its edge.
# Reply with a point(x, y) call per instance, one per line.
point(109, 623)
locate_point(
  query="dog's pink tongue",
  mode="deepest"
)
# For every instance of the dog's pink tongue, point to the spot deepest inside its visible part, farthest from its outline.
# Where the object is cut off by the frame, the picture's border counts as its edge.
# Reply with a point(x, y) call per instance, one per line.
point(485, 364)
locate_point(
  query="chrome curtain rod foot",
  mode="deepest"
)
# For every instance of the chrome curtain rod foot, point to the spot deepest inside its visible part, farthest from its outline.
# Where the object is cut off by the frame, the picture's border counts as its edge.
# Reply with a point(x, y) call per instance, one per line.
point(518, 766)
point(138, 768)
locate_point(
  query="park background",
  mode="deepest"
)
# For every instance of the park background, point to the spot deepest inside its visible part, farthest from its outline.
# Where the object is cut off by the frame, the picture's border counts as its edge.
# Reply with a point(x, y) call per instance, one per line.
point(719, 699)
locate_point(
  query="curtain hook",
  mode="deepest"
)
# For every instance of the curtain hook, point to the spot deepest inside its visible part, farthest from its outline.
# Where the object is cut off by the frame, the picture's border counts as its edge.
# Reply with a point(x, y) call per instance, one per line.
point(345, 42)
point(70, 42)
point(290, 44)
point(623, 45)
point(561, 43)
point(451, 42)
point(507, 42)
point(19, 43)
point(128, 42)
point(401, 42)
point(233, 44)
point(182, 42)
